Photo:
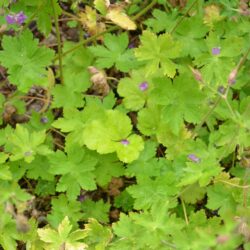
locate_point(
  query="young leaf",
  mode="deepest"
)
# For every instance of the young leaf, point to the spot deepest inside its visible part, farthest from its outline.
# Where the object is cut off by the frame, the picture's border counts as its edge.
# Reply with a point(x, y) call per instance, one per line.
point(158, 52)
point(25, 145)
point(97, 236)
point(112, 134)
point(135, 89)
point(62, 237)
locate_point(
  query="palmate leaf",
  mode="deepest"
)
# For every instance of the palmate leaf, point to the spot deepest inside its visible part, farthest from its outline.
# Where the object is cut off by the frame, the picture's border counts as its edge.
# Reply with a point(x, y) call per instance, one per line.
point(25, 145)
point(182, 100)
point(97, 210)
point(62, 207)
point(148, 228)
point(76, 169)
point(160, 188)
point(135, 89)
point(62, 237)
point(115, 52)
point(158, 52)
point(97, 235)
point(8, 230)
point(162, 20)
point(112, 133)
point(217, 66)
point(107, 167)
point(25, 61)
point(76, 78)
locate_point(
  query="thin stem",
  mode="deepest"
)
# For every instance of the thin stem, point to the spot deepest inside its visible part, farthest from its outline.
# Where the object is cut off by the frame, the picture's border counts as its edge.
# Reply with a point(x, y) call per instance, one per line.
point(184, 211)
point(145, 10)
point(94, 37)
point(88, 40)
point(245, 191)
point(32, 17)
point(59, 45)
point(182, 18)
point(58, 132)
point(206, 116)
point(230, 107)
point(235, 185)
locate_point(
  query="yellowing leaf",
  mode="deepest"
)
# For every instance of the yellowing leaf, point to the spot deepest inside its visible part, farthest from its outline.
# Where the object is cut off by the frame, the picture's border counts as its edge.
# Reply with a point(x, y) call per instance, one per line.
point(212, 15)
point(117, 16)
point(89, 21)
point(101, 6)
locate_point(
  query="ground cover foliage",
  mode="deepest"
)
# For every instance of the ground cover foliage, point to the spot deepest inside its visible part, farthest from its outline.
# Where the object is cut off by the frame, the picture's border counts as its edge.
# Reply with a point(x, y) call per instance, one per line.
point(125, 125)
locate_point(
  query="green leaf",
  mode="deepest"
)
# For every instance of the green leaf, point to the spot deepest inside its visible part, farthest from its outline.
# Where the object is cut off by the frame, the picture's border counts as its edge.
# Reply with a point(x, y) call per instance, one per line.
point(134, 95)
point(76, 77)
point(124, 201)
point(114, 53)
point(100, 5)
point(97, 236)
point(8, 231)
point(158, 52)
point(157, 189)
point(2, 100)
point(25, 61)
point(107, 135)
point(25, 145)
point(182, 100)
point(62, 237)
point(76, 169)
point(162, 20)
point(62, 207)
point(97, 210)
point(216, 68)
point(193, 193)
point(222, 198)
point(107, 167)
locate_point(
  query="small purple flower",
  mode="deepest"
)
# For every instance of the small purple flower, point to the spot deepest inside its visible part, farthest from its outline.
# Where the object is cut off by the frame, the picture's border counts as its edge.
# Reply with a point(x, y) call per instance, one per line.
point(194, 158)
point(143, 86)
point(44, 120)
point(18, 18)
point(232, 76)
point(131, 45)
point(125, 142)
point(28, 153)
point(216, 51)
point(10, 19)
point(221, 90)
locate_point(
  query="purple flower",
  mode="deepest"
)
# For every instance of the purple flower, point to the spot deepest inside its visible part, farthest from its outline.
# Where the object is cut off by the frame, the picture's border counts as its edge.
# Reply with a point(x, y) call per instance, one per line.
point(216, 51)
point(28, 153)
point(125, 142)
point(194, 158)
point(143, 86)
point(131, 45)
point(10, 19)
point(44, 120)
point(221, 90)
point(18, 18)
